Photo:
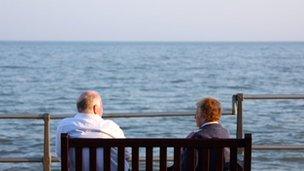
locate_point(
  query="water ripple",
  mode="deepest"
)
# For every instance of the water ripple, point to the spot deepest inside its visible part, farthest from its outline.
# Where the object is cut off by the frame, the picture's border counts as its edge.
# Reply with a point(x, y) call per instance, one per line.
point(141, 77)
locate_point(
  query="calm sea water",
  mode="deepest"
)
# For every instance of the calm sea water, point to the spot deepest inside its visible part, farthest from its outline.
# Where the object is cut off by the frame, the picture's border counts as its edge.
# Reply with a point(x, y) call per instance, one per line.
point(38, 77)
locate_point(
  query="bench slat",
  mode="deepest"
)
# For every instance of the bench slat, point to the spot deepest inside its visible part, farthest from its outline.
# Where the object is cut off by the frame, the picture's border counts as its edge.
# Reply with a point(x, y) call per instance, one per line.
point(177, 158)
point(135, 159)
point(191, 159)
point(219, 159)
point(163, 159)
point(233, 158)
point(64, 152)
point(156, 142)
point(247, 152)
point(78, 155)
point(149, 158)
point(93, 159)
point(107, 158)
point(121, 158)
point(203, 159)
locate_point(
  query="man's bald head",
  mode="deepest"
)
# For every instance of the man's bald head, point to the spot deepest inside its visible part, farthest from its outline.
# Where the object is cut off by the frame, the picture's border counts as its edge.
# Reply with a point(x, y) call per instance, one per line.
point(90, 102)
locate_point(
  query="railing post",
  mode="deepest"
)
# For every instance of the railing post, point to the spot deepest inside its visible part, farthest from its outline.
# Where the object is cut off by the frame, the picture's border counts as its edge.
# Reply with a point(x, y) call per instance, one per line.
point(47, 140)
point(234, 105)
point(239, 124)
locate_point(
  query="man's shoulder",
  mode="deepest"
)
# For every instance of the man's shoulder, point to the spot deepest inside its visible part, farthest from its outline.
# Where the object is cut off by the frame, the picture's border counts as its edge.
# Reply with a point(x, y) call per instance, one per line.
point(66, 120)
point(217, 127)
point(112, 128)
point(200, 135)
point(109, 123)
point(212, 131)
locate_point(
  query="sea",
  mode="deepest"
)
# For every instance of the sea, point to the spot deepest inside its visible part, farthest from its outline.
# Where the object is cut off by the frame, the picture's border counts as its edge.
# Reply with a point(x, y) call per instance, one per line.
point(140, 77)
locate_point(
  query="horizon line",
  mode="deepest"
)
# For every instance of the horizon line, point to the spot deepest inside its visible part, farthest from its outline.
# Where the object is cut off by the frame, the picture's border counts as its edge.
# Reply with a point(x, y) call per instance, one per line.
point(164, 41)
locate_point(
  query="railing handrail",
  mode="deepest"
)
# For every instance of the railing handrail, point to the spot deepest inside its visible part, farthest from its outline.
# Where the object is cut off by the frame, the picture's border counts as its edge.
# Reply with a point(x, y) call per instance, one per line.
point(237, 108)
point(109, 115)
point(237, 104)
point(273, 96)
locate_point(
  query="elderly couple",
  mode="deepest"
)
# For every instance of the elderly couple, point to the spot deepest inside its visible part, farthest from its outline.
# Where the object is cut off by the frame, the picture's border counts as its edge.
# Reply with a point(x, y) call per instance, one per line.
point(88, 123)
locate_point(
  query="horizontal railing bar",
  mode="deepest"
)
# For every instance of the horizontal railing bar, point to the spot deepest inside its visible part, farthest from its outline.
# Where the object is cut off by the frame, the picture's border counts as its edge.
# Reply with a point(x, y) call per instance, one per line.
point(278, 147)
point(21, 159)
point(108, 115)
point(21, 116)
point(273, 96)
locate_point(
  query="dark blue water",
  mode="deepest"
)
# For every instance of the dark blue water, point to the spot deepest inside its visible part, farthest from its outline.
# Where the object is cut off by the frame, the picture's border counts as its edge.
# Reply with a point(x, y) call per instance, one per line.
point(38, 77)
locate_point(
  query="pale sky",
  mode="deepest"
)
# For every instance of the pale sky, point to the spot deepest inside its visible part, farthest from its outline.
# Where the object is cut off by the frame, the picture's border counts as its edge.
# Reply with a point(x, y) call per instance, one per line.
point(152, 20)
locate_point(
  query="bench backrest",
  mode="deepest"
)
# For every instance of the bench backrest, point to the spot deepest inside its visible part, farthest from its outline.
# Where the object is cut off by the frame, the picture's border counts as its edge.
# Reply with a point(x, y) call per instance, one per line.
point(199, 148)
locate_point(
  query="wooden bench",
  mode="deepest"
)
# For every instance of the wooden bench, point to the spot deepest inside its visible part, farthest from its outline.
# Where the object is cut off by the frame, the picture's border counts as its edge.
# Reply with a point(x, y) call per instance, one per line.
point(199, 147)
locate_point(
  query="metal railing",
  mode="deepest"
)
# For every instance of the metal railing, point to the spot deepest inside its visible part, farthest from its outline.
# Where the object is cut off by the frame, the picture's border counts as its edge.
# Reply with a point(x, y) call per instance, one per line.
point(237, 109)
point(47, 159)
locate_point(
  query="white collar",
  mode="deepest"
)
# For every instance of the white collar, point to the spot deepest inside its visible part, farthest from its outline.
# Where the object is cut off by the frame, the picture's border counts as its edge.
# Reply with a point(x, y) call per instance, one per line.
point(209, 123)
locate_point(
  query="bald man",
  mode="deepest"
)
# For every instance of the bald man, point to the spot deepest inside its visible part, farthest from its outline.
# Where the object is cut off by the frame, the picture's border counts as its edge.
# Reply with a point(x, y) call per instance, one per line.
point(88, 123)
